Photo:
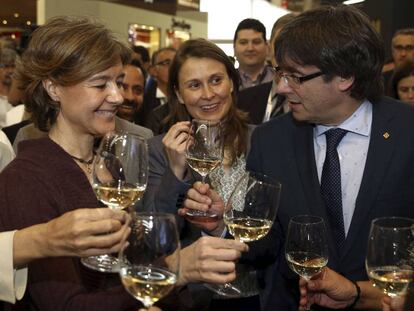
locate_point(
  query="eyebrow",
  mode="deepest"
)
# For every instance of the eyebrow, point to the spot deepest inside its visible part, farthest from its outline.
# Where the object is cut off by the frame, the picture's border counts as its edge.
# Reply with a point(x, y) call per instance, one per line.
point(105, 77)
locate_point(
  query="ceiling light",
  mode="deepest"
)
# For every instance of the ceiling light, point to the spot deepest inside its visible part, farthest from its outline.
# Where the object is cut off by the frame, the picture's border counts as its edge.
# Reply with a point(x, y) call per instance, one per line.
point(16, 15)
point(349, 2)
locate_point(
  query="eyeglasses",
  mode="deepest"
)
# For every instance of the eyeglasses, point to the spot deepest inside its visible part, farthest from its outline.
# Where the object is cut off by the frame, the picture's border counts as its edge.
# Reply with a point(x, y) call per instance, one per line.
point(292, 80)
point(400, 48)
point(165, 62)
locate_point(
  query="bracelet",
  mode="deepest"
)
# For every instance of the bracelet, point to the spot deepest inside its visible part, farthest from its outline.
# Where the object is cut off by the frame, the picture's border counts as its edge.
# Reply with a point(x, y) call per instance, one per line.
point(358, 296)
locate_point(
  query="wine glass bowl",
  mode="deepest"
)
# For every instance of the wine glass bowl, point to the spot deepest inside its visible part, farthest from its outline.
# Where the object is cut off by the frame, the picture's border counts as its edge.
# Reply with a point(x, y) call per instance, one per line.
point(119, 180)
point(390, 259)
point(252, 207)
point(204, 153)
point(306, 249)
point(249, 215)
point(149, 264)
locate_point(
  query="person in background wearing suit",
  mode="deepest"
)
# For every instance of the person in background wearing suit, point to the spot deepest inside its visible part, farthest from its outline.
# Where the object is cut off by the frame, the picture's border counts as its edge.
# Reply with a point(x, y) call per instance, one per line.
point(156, 94)
point(262, 101)
point(330, 62)
point(402, 48)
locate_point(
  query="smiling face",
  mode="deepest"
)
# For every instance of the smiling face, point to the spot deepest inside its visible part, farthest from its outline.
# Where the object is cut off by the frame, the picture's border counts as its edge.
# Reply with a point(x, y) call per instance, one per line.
point(317, 101)
point(89, 107)
point(132, 92)
point(205, 88)
point(250, 48)
point(405, 89)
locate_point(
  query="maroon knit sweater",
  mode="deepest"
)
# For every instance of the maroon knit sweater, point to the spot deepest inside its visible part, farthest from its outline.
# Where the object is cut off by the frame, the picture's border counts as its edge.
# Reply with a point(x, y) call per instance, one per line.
point(44, 182)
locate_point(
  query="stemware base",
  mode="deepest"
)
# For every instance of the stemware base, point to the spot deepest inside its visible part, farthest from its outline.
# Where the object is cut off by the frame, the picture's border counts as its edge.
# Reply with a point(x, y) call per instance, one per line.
point(103, 263)
point(200, 216)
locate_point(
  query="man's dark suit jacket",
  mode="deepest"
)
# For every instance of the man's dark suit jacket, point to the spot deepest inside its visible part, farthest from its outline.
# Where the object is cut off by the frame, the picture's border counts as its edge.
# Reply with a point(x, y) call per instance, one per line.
point(284, 149)
point(254, 100)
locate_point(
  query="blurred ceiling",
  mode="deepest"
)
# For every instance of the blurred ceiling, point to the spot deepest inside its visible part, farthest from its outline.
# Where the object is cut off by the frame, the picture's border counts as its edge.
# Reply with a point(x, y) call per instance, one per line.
point(16, 13)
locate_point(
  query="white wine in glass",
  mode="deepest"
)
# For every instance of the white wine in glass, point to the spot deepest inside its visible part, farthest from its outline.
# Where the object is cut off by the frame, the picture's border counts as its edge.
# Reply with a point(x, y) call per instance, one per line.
point(204, 153)
point(120, 174)
point(390, 257)
point(149, 265)
point(249, 216)
point(306, 249)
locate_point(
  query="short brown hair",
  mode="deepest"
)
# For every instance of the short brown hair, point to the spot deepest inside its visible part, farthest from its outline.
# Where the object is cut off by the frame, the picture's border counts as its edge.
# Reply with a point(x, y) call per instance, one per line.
point(340, 41)
point(67, 51)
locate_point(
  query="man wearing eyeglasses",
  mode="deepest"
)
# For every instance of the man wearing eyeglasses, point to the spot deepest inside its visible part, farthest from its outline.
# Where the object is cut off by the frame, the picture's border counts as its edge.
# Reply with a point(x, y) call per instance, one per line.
point(343, 153)
point(156, 94)
point(402, 48)
point(7, 64)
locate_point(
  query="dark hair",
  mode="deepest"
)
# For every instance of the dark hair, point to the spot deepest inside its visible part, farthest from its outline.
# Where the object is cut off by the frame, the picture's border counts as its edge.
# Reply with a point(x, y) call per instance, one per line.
point(141, 50)
point(280, 22)
point(236, 121)
point(404, 31)
point(401, 72)
point(67, 51)
point(154, 58)
point(137, 63)
point(340, 41)
point(250, 23)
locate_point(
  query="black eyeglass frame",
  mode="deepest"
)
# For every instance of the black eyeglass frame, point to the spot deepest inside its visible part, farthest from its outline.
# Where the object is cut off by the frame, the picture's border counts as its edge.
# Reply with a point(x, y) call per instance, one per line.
point(295, 79)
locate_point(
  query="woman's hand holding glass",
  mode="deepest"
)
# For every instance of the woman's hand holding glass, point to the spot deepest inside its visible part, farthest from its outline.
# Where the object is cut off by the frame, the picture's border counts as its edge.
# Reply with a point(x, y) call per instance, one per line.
point(175, 141)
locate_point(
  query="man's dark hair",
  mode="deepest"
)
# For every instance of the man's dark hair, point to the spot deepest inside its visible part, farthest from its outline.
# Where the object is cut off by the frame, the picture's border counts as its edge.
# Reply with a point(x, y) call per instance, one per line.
point(141, 50)
point(137, 63)
point(154, 58)
point(340, 41)
point(404, 31)
point(250, 23)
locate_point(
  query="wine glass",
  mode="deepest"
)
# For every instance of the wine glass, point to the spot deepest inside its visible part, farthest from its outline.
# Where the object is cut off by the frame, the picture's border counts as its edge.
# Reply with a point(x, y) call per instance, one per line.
point(149, 264)
point(306, 248)
point(249, 216)
point(204, 153)
point(390, 256)
point(120, 174)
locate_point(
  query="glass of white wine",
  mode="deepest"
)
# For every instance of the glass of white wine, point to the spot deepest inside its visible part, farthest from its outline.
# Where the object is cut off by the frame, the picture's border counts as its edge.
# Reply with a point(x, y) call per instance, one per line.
point(204, 153)
point(390, 256)
point(150, 262)
point(120, 174)
point(306, 248)
point(249, 216)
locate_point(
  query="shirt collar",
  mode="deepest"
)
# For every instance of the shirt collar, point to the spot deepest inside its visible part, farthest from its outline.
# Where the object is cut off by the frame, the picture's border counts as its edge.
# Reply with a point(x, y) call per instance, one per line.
point(159, 94)
point(359, 122)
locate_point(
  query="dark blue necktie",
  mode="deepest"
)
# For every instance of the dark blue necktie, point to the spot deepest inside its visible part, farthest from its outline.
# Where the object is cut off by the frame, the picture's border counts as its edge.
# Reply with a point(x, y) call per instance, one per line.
point(331, 185)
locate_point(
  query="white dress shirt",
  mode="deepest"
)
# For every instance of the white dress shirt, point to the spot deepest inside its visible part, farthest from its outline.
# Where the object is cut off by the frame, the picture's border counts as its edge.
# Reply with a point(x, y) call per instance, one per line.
point(352, 152)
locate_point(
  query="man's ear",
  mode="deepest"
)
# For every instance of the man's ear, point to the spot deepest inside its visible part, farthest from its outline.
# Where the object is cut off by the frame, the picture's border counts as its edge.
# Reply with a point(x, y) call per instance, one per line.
point(51, 89)
point(345, 84)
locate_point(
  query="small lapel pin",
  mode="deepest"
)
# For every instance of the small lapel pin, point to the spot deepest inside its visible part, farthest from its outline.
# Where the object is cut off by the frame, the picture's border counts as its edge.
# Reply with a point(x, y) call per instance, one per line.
point(386, 135)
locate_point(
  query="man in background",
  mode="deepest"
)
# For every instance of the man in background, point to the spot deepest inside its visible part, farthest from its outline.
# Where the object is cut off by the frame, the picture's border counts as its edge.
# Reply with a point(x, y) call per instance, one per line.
point(132, 91)
point(7, 65)
point(402, 48)
point(250, 48)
